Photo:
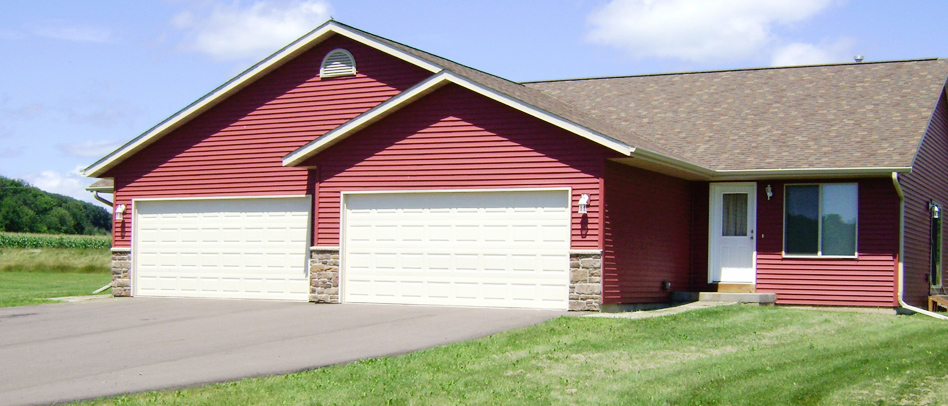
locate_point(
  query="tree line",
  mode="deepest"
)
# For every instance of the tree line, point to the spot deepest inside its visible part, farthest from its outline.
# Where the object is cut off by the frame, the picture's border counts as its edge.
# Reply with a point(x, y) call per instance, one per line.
point(26, 209)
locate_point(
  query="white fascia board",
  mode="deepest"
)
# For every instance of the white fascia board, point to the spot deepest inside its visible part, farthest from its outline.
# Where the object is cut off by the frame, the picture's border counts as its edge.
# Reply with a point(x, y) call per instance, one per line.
point(103, 189)
point(364, 120)
point(354, 35)
point(431, 84)
point(823, 173)
point(672, 162)
point(544, 115)
point(239, 82)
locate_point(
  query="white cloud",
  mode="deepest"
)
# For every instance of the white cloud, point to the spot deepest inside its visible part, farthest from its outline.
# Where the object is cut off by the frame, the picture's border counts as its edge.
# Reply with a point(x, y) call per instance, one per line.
point(70, 184)
point(89, 149)
point(236, 31)
point(696, 30)
point(798, 53)
point(74, 33)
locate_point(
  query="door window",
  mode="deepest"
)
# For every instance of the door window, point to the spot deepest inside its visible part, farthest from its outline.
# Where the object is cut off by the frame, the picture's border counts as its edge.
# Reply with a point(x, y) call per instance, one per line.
point(734, 216)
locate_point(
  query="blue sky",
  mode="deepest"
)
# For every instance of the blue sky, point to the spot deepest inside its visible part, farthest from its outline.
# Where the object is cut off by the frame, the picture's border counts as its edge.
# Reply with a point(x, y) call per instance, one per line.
point(79, 78)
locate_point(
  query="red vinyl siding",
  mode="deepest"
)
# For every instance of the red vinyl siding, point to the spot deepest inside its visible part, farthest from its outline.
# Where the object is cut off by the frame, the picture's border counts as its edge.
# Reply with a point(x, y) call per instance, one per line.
point(647, 232)
point(236, 148)
point(456, 139)
point(868, 280)
point(928, 181)
point(700, 221)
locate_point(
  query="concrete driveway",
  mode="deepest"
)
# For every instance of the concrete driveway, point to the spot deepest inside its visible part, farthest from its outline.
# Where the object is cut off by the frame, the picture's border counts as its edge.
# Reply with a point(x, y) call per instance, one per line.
point(61, 352)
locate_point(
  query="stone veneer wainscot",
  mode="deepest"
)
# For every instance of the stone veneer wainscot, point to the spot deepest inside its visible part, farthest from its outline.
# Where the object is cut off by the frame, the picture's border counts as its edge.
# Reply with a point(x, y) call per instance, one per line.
point(585, 280)
point(324, 274)
point(121, 272)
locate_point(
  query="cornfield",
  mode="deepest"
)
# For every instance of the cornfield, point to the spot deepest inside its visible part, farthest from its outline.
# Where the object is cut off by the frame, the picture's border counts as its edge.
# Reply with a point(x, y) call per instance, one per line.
point(15, 240)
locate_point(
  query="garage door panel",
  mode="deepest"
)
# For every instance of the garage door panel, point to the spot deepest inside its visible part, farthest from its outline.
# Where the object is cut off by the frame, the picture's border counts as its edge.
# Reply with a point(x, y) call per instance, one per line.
point(222, 248)
point(471, 249)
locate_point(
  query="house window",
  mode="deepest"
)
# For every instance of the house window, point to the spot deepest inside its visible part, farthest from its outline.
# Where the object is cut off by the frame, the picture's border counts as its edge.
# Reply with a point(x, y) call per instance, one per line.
point(821, 219)
point(935, 274)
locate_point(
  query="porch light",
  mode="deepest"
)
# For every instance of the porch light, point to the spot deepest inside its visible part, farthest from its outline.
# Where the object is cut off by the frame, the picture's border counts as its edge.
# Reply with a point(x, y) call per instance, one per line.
point(770, 192)
point(936, 210)
point(583, 203)
point(119, 211)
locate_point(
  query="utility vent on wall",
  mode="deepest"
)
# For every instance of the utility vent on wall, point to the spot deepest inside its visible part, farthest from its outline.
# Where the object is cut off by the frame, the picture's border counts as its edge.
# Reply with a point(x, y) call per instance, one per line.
point(337, 63)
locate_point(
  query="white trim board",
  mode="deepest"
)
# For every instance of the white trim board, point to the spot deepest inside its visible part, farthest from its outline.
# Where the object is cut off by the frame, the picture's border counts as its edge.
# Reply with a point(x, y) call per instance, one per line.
point(243, 80)
point(428, 86)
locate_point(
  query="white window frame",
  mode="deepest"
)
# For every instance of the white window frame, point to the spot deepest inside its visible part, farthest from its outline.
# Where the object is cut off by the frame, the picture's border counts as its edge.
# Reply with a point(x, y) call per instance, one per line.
point(819, 227)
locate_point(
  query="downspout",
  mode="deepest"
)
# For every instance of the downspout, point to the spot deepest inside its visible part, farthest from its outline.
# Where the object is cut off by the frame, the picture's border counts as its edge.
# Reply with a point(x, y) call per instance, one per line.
point(101, 199)
point(107, 203)
point(901, 270)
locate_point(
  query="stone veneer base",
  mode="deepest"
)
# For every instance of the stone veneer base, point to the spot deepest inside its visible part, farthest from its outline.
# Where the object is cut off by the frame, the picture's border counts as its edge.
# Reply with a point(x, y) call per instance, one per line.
point(585, 281)
point(324, 275)
point(121, 272)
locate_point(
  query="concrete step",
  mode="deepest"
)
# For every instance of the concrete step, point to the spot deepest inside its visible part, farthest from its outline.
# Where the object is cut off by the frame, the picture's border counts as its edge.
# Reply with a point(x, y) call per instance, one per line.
point(760, 298)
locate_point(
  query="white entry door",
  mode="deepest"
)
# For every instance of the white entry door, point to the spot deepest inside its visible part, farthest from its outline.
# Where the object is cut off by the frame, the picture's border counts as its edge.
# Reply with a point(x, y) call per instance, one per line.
point(732, 246)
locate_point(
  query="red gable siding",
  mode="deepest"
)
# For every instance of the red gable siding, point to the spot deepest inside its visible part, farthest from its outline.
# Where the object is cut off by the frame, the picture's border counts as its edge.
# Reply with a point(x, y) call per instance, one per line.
point(237, 147)
point(868, 280)
point(647, 231)
point(928, 181)
point(456, 139)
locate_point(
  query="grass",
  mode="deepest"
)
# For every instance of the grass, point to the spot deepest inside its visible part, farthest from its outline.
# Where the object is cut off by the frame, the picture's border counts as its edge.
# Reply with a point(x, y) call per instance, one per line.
point(32, 276)
point(731, 355)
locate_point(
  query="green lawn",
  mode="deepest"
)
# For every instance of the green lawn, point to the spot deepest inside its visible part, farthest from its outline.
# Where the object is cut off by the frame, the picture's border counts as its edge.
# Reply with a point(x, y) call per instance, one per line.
point(730, 355)
point(30, 276)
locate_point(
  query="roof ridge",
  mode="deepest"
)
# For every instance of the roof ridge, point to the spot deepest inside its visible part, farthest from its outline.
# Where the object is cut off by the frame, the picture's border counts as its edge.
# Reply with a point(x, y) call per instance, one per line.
point(731, 70)
point(429, 54)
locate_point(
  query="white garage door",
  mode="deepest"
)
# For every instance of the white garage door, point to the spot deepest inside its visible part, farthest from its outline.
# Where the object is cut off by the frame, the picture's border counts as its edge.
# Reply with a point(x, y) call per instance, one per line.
point(222, 248)
point(490, 249)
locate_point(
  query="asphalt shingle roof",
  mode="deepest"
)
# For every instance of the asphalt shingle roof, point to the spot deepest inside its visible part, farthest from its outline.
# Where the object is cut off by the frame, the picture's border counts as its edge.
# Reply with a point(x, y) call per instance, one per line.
point(856, 115)
point(533, 97)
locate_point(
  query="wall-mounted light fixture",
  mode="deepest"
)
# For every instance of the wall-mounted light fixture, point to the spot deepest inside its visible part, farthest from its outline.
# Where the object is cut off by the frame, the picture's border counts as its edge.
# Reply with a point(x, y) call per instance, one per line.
point(770, 192)
point(119, 212)
point(935, 209)
point(583, 203)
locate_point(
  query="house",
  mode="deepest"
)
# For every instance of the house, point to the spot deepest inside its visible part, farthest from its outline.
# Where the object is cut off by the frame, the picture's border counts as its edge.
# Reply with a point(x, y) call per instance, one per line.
point(351, 168)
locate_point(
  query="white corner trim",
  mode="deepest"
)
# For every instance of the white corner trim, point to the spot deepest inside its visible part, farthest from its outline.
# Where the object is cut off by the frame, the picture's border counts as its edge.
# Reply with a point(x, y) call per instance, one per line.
point(426, 87)
point(324, 248)
point(241, 81)
point(121, 249)
point(585, 252)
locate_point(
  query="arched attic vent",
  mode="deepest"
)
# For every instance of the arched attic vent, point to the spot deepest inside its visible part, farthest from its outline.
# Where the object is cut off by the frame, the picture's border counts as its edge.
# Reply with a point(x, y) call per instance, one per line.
point(338, 62)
